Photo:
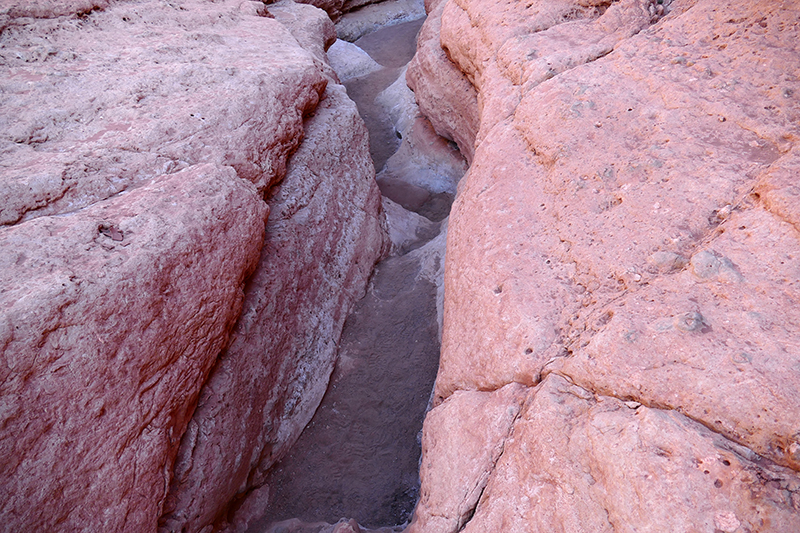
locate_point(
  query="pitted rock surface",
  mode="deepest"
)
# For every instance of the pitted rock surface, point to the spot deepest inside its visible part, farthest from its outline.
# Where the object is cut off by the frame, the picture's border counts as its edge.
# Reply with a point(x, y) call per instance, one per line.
point(627, 225)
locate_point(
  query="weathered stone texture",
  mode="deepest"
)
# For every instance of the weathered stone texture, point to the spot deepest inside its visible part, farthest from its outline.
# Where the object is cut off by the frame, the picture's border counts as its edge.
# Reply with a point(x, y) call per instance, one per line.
point(629, 224)
point(101, 103)
point(323, 238)
point(112, 318)
point(139, 142)
point(445, 96)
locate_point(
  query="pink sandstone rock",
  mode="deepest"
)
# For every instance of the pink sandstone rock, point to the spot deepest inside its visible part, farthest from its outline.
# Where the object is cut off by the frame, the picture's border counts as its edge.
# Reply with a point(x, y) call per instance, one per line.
point(628, 224)
point(139, 141)
point(575, 461)
point(467, 432)
point(44, 9)
point(443, 93)
point(334, 8)
point(579, 462)
point(136, 91)
point(112, 318)
point(324, 236)
point(423, 174)
point(323, 239)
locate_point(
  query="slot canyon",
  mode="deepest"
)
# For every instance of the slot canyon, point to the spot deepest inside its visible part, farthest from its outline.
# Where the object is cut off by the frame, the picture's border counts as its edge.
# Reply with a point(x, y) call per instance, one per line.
point(357, 266)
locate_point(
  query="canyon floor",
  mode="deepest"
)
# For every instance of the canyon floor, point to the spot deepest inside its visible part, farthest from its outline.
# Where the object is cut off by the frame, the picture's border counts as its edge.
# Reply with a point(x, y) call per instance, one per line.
point(359, 456)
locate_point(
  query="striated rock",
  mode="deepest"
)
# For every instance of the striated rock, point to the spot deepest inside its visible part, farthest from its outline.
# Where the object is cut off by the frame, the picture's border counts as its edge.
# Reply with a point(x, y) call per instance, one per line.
point(112, 318)
point(324, 236)
point(627, 224)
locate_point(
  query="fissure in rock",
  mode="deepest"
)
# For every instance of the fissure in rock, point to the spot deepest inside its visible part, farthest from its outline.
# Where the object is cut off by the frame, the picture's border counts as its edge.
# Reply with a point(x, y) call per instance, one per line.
point(358, 457)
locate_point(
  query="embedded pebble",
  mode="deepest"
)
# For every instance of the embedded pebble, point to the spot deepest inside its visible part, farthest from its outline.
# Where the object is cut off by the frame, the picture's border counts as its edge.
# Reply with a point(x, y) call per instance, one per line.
point(705, 264)
point(692, 321)
point(667, 261)
point(708, 265)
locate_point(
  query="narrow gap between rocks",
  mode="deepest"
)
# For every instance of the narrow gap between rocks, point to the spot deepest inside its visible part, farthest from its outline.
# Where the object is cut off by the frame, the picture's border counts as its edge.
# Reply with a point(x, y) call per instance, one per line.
point(359, 456)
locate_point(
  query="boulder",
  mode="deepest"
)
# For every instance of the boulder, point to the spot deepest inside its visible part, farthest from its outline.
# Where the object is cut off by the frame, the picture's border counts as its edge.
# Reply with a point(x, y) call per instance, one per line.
point(323, 238)
point(349, 61)
point(96, 105)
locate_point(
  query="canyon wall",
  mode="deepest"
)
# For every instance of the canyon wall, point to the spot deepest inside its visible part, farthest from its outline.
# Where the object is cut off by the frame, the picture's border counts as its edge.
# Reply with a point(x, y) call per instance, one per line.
point(188, 213)
point(620, 345)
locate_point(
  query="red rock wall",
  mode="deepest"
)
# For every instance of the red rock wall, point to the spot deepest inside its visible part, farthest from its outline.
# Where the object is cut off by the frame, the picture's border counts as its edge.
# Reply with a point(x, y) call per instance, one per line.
point(323, 237)
point(140, 141)
point(622, 248)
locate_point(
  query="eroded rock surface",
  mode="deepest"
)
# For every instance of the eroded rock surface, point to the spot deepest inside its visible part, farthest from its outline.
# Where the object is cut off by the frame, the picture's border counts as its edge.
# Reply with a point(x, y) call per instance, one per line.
point(626, 228)
point(374, 16)
point(359, 455)
point(112, 318)
point(140, 142)
point(444, 94)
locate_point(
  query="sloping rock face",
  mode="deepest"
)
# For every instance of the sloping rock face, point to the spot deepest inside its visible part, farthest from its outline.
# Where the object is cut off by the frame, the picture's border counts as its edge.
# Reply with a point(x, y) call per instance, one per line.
point(144, 145)
point(112, 318)
point(624, 248)
point(323, 237)
point(444, 94)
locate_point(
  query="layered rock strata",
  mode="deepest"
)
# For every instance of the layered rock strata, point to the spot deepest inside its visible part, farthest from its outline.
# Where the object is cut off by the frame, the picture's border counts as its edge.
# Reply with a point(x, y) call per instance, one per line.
point(161, 345)
point(621, 253)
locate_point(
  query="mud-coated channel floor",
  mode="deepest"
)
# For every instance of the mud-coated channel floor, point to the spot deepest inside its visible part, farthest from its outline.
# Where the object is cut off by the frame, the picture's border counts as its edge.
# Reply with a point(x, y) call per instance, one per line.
point(358, 457)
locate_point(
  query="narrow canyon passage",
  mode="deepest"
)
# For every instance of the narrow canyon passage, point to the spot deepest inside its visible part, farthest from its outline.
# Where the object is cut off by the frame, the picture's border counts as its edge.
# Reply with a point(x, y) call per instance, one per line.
point(358, 457)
